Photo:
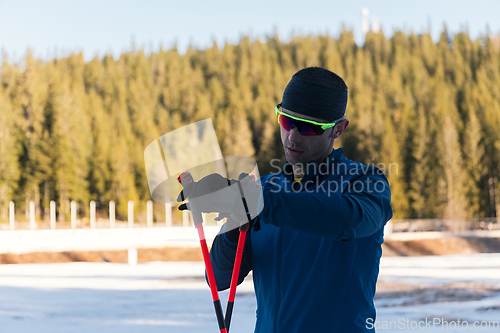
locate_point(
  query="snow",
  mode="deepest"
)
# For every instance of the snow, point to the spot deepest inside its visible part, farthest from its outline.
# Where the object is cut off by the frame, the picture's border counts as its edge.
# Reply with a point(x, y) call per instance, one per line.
point(173, 296)
point(438, 271)
point(27, 241)
point(481, 268)
point(106, 297)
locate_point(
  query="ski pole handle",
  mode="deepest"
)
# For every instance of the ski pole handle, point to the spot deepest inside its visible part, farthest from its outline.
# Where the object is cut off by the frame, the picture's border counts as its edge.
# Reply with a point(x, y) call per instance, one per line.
point(186, 180)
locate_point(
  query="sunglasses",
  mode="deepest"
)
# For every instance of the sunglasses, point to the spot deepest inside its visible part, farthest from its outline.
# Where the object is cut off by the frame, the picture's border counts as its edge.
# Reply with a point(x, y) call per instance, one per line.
point(304, 126)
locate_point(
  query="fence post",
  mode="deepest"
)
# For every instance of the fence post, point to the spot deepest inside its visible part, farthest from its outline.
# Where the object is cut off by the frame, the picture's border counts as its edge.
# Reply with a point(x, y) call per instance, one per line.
point(27, 211)
point(12, 215)
point(150, 213)
point(111, 214)
point(185, 218)
point(168, 214)
point(52, 214)
point(130, 214)
point(92, 214)
point(132, 256)
point(32, 216)
point(73, 214)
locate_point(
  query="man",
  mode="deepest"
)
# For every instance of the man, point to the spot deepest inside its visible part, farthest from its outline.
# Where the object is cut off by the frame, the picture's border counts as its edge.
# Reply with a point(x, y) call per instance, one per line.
point(315, 247)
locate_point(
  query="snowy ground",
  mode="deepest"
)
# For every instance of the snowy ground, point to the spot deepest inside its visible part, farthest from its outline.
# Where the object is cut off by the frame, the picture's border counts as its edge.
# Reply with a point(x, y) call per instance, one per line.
point(173, 296)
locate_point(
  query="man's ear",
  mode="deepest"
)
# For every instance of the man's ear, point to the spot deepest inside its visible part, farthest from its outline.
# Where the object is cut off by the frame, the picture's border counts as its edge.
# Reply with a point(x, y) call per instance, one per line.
point(340, 128)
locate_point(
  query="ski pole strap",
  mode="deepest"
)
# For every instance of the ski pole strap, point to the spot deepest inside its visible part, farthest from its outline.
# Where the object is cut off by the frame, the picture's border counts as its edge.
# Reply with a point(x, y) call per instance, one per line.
point(245, 226)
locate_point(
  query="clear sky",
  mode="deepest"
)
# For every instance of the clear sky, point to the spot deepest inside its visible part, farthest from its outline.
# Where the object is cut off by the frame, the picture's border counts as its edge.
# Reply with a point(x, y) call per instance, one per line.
point(56, 27)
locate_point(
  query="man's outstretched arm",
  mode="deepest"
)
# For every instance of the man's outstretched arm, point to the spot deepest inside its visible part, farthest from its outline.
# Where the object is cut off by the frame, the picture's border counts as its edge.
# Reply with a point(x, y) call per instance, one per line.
point(359, 212)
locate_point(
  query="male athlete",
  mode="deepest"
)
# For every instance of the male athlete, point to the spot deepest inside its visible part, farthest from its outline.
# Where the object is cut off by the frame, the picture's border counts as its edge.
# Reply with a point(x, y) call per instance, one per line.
point(315, 248)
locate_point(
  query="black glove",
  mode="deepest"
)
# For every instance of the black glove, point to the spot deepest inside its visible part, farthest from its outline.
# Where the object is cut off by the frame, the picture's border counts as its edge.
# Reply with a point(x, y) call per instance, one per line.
point(247, 209)
point(212, 193)
point(215, 193)
point(237, 220)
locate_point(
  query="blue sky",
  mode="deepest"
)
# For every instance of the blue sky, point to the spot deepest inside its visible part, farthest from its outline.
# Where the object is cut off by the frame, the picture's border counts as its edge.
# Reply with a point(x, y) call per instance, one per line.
point(54, 27)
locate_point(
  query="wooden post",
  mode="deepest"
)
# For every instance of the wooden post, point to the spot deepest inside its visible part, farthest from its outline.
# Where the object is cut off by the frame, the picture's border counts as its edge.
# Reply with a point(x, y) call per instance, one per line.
point(92, 214)
point(130, 214)
point(111, 214)
point(27, 211)
point(185, 218)
point(497, 199)
point(32, 216)
point(150, 213)
point(52, 214)
point(168, 214)
point(73, 214)
point(12, 215)
point(132, 256)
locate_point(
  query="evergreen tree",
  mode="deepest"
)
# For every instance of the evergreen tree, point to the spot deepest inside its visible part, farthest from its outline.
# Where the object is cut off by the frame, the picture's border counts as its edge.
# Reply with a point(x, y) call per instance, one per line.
point(76, 130)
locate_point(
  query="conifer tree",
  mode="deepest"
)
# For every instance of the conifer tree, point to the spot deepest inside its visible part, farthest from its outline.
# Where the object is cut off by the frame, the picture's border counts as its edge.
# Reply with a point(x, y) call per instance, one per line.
point(77, 130)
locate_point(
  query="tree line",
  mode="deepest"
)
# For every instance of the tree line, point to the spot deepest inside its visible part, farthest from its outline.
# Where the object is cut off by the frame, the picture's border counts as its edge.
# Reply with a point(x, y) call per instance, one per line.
point(72, 129)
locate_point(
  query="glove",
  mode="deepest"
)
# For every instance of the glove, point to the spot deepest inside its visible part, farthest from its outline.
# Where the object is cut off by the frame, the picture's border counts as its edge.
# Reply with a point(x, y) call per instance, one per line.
point(242, 215)
point(212, 193)
point(215, 193)
point(238, 219)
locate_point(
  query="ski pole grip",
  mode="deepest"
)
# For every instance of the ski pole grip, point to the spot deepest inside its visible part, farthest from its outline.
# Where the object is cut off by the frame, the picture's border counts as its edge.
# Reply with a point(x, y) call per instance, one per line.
point(186, 180)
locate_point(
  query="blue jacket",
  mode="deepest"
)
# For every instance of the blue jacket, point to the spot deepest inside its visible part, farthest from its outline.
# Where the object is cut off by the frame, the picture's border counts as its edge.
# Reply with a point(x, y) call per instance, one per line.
point(315, 259)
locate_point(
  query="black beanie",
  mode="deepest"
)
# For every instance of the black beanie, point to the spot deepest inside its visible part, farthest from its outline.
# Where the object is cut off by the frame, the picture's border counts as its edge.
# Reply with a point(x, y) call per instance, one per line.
point(314, 99)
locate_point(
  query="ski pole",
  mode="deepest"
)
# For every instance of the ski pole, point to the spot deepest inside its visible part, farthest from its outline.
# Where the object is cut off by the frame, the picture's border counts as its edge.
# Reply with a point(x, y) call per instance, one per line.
point(198, 221)
point(237, 260)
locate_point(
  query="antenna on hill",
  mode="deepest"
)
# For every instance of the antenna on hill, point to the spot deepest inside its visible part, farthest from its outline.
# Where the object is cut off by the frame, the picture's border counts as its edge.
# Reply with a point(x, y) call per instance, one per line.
point(365, 27)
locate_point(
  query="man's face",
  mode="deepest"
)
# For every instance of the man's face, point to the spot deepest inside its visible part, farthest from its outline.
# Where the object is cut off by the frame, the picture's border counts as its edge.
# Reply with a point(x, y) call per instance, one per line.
point(303, 149)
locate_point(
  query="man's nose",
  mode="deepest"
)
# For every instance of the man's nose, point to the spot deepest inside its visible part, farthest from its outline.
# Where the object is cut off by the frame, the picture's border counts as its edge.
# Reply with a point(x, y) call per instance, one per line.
point(294, 135)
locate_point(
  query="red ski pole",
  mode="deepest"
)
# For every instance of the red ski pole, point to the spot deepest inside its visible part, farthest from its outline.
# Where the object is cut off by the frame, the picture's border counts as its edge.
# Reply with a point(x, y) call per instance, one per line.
point(234, 278)
point(198, 221)
point(237, 260)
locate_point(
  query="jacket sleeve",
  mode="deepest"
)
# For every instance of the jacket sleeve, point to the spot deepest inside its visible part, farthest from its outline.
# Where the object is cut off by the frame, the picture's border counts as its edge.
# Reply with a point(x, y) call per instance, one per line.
point(362, 210)
point(222, 255)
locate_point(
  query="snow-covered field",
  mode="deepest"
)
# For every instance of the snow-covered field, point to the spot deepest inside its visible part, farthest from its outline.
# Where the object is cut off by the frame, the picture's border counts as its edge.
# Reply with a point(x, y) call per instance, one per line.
point(173, 297)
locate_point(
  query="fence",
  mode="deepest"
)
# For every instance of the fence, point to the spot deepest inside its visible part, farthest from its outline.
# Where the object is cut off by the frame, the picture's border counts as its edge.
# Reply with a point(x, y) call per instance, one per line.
point(186, 218)
point(406, 225)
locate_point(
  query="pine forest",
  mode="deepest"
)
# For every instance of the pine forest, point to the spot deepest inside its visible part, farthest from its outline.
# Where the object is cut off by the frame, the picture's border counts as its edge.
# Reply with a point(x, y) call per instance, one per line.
point(427, 112)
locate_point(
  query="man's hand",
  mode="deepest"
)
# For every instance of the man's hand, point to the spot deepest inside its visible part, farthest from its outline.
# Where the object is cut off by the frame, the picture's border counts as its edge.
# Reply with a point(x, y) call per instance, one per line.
point(215, 193)
point(212, 193)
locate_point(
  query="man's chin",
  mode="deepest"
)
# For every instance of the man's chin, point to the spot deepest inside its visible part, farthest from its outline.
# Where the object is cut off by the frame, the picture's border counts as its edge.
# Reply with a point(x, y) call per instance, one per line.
point(294, 160)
